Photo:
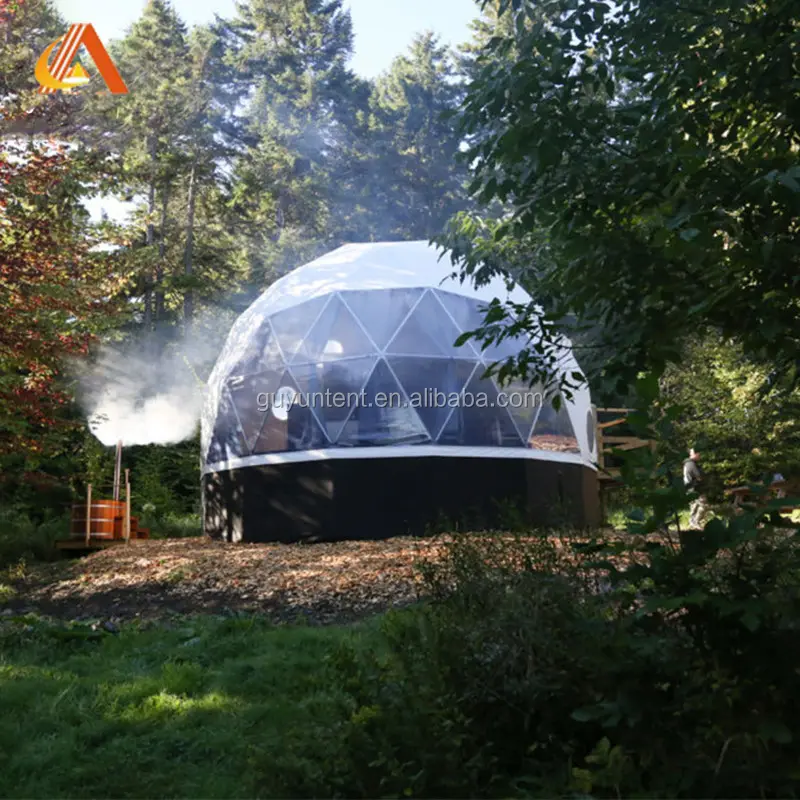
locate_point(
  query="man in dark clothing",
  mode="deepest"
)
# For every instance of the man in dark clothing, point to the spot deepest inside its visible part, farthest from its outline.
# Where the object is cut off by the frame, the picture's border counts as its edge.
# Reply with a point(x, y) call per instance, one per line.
point(694, 480)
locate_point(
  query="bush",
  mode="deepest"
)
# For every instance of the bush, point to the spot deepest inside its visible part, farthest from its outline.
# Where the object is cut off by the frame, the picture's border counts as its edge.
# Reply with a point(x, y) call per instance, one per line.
point(172, 526)
point(23, 538)
point(538, 671)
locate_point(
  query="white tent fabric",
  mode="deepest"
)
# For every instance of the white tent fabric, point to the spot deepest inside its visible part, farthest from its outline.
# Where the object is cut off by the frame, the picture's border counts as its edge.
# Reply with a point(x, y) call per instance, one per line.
point(353, 356)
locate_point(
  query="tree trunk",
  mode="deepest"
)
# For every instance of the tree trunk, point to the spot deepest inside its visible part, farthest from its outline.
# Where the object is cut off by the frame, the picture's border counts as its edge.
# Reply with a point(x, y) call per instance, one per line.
point(150, 234)
point(188, 298)
point(162, 247)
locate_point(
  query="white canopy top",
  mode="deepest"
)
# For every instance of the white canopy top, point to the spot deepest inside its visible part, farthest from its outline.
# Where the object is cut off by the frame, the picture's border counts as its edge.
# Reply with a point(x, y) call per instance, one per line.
point(378, 265)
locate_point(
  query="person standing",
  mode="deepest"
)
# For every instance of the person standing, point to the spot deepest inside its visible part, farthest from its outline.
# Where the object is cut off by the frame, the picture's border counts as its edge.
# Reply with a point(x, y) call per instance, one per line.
point(694, 481)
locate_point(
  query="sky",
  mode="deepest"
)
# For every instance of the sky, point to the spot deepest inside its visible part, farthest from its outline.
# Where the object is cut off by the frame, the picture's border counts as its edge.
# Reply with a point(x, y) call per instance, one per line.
point(383, 28)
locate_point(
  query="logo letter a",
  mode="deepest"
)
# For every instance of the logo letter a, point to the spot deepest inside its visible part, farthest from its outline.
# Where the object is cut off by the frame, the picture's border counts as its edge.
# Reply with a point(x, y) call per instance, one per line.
point(51, 76)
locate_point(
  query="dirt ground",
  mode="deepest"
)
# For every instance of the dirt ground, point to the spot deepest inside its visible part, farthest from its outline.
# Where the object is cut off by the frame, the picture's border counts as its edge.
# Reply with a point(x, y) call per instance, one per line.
point(322, 583)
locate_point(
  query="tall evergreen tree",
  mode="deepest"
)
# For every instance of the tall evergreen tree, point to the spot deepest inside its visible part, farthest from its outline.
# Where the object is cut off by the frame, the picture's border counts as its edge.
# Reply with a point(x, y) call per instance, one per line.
point(145, 126)
point(294, 55)
point(406, 181)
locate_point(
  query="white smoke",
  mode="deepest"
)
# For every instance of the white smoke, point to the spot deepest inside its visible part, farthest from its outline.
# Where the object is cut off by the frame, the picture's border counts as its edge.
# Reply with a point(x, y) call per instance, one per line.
point(118, 414)
point(150, 392)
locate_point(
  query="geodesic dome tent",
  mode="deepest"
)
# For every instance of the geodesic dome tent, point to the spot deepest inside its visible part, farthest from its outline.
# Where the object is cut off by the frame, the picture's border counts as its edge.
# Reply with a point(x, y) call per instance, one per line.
point(350, 362)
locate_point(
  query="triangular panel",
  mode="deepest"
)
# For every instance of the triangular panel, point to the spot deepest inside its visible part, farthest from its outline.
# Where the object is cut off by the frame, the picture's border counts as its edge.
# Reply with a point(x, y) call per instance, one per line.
point(467, 312)
point(382, 312)
point(523, 403)
point(470, 315)
point(480, 421)
point(429, 331)
point(332, 389)
point(433, 386)
point(289, 427)
point(261, 352)
point(292, 325)
point(335, 334)
point(383, 416)
point(251, 396)
point(227, 440)
point(553, 430)
point(502, 351)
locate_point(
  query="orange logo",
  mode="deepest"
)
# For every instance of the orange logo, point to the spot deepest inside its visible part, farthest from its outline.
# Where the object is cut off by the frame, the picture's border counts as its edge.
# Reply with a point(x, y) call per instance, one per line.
point(58, 75)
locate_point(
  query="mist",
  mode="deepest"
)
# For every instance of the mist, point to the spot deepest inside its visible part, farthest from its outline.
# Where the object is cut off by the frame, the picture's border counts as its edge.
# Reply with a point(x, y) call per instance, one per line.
point(150, 391)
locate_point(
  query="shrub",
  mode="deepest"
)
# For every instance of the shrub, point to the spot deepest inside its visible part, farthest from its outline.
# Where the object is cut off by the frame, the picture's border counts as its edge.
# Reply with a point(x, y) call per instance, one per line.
point(172, 526)
point(23, 538)
point(543, 670)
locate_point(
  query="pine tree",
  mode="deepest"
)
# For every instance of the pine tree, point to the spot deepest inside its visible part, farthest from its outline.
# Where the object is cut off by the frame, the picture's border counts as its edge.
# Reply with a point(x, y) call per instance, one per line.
point(408, 182)
point(294, 54)
point(145, 126)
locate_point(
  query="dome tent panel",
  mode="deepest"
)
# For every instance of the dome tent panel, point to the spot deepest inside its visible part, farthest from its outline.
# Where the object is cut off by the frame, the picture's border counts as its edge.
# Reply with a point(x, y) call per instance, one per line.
point(335, 334)
point(466, 312)
point(524, 404)
point(227, 441)
point(250, 395)
point(480, 420)
point(429, 331)
point(470, 315)
point(342, 378)
point(384, 416)
point(292, 325)
point(382, 313)
point(553, 430)
point(432, 385)
point(260, 352)
point(289, 426)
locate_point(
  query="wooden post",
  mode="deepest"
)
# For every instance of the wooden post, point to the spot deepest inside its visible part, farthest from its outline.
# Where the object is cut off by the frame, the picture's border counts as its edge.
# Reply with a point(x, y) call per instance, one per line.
point(127, 505)
point(88, 513)
point(117, 470)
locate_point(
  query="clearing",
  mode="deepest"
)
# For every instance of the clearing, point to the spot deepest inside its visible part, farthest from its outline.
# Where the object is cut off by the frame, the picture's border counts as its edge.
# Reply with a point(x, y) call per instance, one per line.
point(321, 584)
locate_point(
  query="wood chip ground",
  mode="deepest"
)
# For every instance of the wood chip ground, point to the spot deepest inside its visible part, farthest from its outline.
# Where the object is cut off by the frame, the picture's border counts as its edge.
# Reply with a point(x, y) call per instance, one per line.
point(326, 583)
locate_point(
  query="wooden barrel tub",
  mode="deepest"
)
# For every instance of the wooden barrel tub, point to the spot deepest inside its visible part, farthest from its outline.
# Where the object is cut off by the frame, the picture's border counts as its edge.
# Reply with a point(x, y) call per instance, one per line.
point(106, 519)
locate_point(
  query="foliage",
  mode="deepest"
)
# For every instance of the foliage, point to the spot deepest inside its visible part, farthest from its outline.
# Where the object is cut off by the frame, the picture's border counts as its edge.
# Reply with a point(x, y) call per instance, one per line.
point(744, 432)
point(24, 539)
point(655, 189)
point(54, 290)
point(524, 679)
point(26, 28)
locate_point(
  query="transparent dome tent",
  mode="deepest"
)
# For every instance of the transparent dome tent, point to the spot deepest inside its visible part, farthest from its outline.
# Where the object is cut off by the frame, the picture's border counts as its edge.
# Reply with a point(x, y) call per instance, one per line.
point(353, 357)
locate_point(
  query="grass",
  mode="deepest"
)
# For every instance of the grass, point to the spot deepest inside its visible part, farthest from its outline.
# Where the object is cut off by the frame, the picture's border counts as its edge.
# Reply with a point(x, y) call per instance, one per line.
point(208, 707)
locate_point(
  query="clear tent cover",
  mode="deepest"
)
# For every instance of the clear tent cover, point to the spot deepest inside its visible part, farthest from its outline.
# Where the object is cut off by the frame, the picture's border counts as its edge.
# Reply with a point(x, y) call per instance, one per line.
point(354, 355)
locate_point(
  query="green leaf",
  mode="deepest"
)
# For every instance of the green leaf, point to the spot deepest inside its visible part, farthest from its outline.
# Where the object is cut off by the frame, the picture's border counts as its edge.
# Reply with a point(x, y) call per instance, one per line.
point(787, 180)
point(587, 713)
point(775, 731)
point(751, 621)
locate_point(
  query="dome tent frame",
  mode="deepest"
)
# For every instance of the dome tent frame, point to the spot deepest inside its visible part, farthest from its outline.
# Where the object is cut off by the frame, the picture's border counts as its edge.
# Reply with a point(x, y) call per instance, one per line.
point(380, 317)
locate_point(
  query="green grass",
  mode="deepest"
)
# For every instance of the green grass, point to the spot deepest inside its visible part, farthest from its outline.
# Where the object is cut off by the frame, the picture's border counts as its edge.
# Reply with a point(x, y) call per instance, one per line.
point(207, 708)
